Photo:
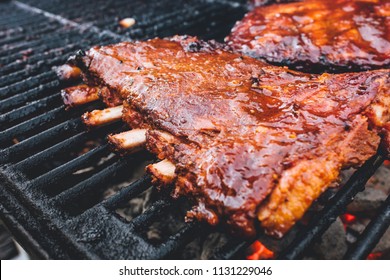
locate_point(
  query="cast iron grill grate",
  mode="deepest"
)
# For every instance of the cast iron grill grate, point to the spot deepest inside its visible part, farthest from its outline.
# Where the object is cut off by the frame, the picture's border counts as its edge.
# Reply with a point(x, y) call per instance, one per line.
point(54, 173)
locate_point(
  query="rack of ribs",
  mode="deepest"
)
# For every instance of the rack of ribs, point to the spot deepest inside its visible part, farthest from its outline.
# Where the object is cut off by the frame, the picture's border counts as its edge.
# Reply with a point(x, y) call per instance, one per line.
point(315, 35)
point(247, 142)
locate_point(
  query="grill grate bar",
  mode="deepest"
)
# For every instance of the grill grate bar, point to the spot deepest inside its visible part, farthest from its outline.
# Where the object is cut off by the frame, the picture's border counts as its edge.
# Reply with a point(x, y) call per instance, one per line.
point(32, 124)
point(31, 32)
point(20, 46)
point(178, 241)
point(54, 47)
point(17, 76)
point(220, 30)
point(56, 54)
point(128, 192)
point(166, 26)
point(46, 41)
point(49, 153)
point(199, 20)
point(66, 21)
point(32, 69)
point(70, 196)
point(10, 20)
point(155, 20)
point(147, 218)
point(9, 42)
point(16, 17)
point(39, 81)
point(372, 234)
point(42, 49)
point(66, 169)
point(34, 94)
point(34, 25)
point(26, 111)
point(49, 59)
point(79, 136)
point(230, 250)
point(332, 210)
point(138, 7)
point(22, 149)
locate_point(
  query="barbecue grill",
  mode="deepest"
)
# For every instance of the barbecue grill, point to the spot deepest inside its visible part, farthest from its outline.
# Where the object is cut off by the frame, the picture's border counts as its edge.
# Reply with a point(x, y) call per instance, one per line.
point(57, 212)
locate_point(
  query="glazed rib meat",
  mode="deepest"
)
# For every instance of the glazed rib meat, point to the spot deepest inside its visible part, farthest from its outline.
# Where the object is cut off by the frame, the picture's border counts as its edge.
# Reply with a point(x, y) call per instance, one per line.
point(317, 35)
point(250, 142)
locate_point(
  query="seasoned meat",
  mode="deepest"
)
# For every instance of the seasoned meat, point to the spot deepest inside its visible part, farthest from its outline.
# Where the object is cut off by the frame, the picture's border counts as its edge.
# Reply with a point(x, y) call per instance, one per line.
point(100, 65)
point(317, 35)
point(250, 142)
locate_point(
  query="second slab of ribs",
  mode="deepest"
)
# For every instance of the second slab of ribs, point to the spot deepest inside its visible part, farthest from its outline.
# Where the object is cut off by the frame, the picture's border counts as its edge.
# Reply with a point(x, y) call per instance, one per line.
point(317, 35)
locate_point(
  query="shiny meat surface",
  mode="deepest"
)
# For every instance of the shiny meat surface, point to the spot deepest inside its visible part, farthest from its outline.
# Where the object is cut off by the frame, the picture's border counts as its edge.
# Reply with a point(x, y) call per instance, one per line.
point(317, 35)
point(250, 142)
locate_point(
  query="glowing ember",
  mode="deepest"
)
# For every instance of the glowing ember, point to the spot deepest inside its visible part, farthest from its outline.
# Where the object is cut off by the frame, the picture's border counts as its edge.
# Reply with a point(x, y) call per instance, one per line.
point(348, 218)
point(374, 256)
point(257, 251)
point(387, 162)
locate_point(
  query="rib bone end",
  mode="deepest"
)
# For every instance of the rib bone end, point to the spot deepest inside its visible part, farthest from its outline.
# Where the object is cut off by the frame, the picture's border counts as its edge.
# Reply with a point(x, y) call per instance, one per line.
point(68, 72)
point(79, 95)
point(163, 172)
point(101, 117)
point(128, 141)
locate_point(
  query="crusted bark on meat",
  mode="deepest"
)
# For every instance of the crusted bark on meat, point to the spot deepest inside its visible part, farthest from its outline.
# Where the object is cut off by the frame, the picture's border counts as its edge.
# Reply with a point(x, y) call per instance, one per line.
point(248, 141)
point(317, 35)
point(301, 184)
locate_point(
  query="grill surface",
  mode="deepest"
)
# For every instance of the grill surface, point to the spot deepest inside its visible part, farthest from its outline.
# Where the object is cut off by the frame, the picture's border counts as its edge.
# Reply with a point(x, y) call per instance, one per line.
point(53, 177)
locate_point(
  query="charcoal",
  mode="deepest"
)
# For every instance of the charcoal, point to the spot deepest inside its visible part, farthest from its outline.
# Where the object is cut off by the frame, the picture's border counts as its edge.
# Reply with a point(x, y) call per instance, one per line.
point(366, 203)
point(333, 243)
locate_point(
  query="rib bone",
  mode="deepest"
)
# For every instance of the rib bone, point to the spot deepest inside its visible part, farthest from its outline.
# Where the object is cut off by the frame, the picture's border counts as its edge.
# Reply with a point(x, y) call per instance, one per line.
point(163, 171)
point(100, 117)
point(68, 72)
point(128, 141)
point(79, 95)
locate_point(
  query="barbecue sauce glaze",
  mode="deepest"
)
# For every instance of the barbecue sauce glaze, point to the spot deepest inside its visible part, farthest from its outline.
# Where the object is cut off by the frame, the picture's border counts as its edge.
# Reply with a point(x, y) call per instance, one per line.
point(316, 35)
point(243, 130)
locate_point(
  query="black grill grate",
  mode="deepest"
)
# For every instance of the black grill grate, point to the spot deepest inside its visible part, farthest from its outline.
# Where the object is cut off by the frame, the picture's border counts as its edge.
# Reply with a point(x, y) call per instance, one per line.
point(54, 209)
point(208, 19)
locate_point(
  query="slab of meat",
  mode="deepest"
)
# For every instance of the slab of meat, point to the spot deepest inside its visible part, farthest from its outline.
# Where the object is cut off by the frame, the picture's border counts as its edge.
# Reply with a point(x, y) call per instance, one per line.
point(317, 35)
point(250, 142)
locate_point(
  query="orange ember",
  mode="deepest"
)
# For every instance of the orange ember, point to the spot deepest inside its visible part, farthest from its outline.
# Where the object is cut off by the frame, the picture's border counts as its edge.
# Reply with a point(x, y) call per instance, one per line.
point(387, 162)
point(348, 218)
point(374, 256)
point(257, 251)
